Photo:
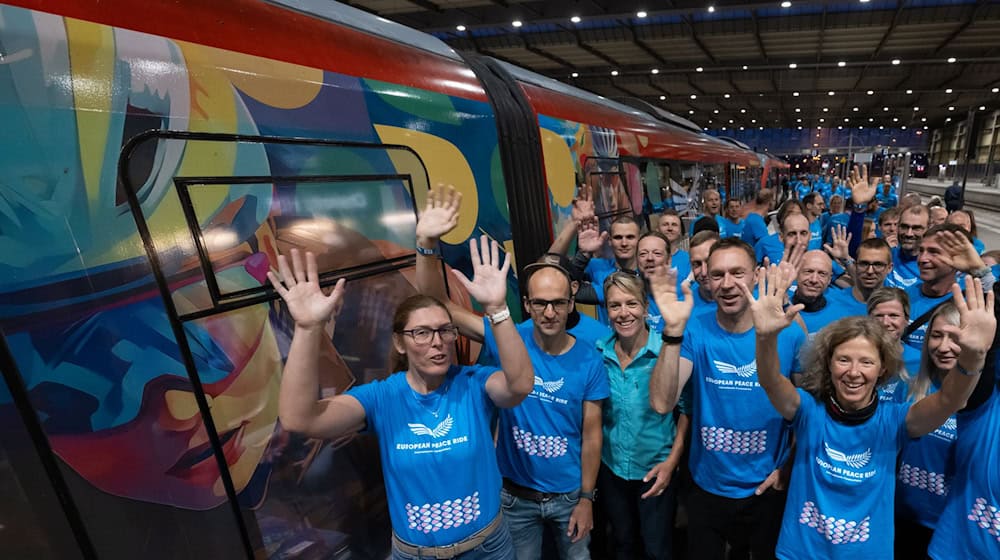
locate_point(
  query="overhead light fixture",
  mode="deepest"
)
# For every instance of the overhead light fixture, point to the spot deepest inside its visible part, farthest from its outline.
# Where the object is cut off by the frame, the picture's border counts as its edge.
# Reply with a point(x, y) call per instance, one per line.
point(663, 98)
point(575, 19)
point(826, 109)
point(727, 96)
point(996, 90)
point(840, 128)
point(730, 121)
point(982, 107)
point(693, 96)
point(951, 108)
point(831, 93)
point(691, 111)
point(909, 92)
point(654, 71)
point(915, 109)
point(640, 14)
point(847, 119)
point(798, 110)
point(716, 111)
point(865, 1)
point(743, 110)
point(871, 119)
point(948, 119)
point(952, 60)
point(723, 128)
point(881, 128)
point(855, 109)
point(793, 66)
point(926, 127)
point(800, 128)
point(949, 90)
point(896, 61)
point(516, 23)
point(745, 67)
point(699, 69)
point(841, 64)
point(761, 128)
point(822, 119)
point(786, 4)
point(885, 108)
point(895, 119)
point(711, 9)
point(870, 92)
point(923, 119)
point(798, 120)
point(614, 72)
point(795, 94)
point(903, 127)
point(460, 27)
point(575, 75)
point(860, 127)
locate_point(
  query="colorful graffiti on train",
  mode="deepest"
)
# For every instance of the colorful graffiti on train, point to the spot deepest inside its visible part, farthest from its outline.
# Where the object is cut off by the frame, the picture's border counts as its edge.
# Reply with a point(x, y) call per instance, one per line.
point(79, 305)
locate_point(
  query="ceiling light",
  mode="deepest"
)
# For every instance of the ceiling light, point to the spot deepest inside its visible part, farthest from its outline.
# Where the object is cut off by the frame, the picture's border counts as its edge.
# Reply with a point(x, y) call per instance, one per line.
point(841, 64)
point(871, 119)
point(896, 61)
point(870, 92)
point(881, 128)
point(711, 9)
point(699, 69)
point(460, 27)
point(800, 128)
point(951, 108)
point(786, 4)
point(831, 93)
point(903, 127)
point(516, 23)
point(926, 127)
point(982, 107)
point(730, 121)
point(795, 94)
point(575, 19)
point(923, 119)
point(948, 119)
point(614, 72)
point(793, 66)
point(798, 110)
point(865, 1)
point(826, 109)
point(745, 67)
point(949, 90)
point(641, 14)
point(909, 92)
point(691, 112)
point(727, 96)
point(822, 120)
point(723, 128)
point(798, 120)
point(716, 111)
point(741, 128)
point(840, 128)
point(654, 71)
point(915, 109)
point(895, 119)
point(753, 121)
point(952, 60)
point(860, 127)
point(855, 109)
point(663, 98)
point(693, 96)
point(575, 75)
point(996, 90)
point(885, 108)
point(761, 128)
point(743, 110)
point(847, 120)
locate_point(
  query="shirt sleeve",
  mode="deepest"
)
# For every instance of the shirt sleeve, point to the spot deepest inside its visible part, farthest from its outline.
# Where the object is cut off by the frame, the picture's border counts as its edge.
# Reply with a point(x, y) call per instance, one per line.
point(598, 388)
point(807, 409)
point(370, 397)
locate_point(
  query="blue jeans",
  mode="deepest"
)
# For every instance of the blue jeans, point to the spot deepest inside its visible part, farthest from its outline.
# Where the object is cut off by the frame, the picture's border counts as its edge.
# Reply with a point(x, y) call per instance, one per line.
point(497, 546)
point(527, 518)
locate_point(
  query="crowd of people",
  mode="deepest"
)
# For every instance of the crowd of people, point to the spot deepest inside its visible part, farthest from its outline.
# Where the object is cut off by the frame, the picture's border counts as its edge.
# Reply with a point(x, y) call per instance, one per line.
point(813, 382)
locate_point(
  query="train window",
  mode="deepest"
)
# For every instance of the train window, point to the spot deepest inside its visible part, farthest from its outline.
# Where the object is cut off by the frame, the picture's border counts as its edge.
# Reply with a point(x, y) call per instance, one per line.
point(607, 181)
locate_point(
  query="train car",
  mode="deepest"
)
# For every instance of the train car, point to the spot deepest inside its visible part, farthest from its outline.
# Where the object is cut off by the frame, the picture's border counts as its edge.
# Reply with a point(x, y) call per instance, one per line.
point(157, 159)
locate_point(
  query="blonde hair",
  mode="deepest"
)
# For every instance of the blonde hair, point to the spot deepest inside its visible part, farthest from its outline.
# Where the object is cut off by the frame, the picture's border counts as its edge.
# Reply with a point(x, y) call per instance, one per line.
point(817, 379)
point(628, 283)
point(928, 373)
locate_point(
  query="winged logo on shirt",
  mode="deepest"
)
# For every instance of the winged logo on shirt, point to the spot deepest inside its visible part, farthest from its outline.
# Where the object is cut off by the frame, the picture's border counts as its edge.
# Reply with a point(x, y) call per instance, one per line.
point(550, 386)
point(439, 431)
point(950, 424)
point(746, 370)
point(857, 460)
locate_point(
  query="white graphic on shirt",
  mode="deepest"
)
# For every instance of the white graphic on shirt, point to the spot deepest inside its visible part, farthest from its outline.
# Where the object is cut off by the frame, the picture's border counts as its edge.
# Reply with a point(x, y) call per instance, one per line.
point(928, 481)
point(439, 431)
point(888, 391)
point(986, 516)
point(746, 370)
point(947, 432)
point(726, 440)
point(857, 460)
point(950, 424)
point(837, 531)
point(540, 446)
point(550, 386)
point(430, 518)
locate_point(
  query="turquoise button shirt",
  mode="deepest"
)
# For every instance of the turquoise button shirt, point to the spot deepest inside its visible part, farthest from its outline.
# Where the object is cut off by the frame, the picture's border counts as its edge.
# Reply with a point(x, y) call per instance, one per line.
point(636, 438)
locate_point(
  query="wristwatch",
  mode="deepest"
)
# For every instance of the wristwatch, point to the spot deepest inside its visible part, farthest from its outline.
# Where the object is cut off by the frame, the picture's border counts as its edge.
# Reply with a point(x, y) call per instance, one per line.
point(499, 316)
point(592, 495)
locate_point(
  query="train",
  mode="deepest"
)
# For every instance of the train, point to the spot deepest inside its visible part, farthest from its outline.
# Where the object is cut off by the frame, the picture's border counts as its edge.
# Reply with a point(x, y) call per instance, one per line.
point(157, 157)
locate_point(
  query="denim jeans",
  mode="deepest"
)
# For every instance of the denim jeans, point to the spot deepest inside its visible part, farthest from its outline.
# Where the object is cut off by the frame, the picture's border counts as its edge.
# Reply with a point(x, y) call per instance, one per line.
point(498, 546)
point(527, 518)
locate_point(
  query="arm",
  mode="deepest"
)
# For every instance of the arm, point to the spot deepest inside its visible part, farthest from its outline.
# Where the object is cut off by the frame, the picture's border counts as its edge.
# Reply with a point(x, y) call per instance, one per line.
point(581, 214)
point(664, 472)
point(298, 407)
point(769, 319)
point(974, 335)
point(671, 372)
point(581, 521)
point(862, 192)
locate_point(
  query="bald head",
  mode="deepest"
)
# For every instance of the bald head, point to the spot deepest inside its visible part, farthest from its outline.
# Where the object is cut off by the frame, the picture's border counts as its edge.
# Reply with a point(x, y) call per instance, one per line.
point(815, 274)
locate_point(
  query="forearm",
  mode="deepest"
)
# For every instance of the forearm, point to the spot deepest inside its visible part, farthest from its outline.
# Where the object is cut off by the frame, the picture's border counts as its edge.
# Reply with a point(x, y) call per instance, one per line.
point(298, 404)
point(664, 380)
point(430, 281)
point(514, 361)
point(779, 388)
point(590, 457)
point(578, 265)
point(565, 238)
point(680, 441)
point(855, 225)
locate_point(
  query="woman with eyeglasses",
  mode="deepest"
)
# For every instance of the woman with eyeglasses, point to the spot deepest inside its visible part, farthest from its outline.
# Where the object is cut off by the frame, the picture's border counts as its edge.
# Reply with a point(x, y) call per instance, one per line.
point(432, 417)
point(840, 497)
point(642, 448)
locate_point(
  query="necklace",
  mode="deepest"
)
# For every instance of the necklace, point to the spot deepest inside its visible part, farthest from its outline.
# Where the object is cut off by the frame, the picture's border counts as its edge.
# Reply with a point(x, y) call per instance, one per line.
point(437, 396)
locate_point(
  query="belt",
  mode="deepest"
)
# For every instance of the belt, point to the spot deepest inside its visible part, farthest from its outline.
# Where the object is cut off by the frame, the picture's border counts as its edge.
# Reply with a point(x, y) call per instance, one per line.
point(518, 491)
point(448, 550)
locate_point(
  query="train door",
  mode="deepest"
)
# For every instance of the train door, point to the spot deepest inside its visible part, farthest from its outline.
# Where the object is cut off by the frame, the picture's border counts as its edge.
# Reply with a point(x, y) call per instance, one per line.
point(211, 237)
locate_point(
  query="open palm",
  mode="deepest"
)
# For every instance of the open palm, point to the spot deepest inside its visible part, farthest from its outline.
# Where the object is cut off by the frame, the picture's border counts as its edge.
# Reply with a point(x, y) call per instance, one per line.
point(768, 308)
point(976, 322)
point(663, 286)
point(440, 214)
point(299, 287)
point(862, 189)
point(489, 281)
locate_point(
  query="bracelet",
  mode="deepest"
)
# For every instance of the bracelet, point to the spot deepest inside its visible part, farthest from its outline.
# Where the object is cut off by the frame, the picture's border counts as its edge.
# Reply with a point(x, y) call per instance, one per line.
point(966, 372)
point(667, 339)
point(980, 272)
point(428, 252)
point(499, 316)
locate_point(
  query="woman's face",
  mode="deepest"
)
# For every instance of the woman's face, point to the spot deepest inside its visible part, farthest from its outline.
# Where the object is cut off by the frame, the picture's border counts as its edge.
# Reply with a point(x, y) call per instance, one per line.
point(626, 312)
point(941, 347)
point(855, 368)
point(430, 358)
point(892, 317)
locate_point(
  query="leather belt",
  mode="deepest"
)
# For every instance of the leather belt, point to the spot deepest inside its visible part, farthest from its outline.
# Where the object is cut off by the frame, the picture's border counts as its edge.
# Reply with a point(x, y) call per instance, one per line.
point(448, 550)
point(525, 493)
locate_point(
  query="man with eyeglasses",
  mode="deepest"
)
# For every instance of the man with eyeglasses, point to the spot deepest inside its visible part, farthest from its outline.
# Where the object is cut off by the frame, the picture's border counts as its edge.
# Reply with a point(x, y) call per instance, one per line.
point(548, 447)
point(870, 271)
point(912, 225)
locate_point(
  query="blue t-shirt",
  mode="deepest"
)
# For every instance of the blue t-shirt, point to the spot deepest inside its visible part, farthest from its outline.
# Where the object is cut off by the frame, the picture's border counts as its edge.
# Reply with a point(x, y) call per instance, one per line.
point(681, 261)
point(969, 526)
point(840, 219)
point(843, 477)
point(905, 271)
point(979, 245)
point(754, 228)
point(737, 438)
point(802, 189)
point(844, 297)
point(920, 304)
point(728, 228)
point(837, 307)
point(770, 247)
point(588, 331)
point(540, 441)
point(700, 304)
point(815, 235)
point(926, 469)
point(440, 470)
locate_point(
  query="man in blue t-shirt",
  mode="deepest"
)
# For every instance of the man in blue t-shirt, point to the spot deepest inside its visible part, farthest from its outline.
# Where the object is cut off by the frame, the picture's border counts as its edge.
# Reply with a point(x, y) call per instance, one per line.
point(913, 222)
point(813, 207)
point(869, 273)
point(793, 232)
point(624, 239)
point(823, 304)
point(738, 440)
point(731, 225)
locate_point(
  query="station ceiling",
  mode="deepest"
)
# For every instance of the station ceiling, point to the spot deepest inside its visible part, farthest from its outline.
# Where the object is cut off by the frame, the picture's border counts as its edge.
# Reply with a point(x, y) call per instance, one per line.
point(891, 63)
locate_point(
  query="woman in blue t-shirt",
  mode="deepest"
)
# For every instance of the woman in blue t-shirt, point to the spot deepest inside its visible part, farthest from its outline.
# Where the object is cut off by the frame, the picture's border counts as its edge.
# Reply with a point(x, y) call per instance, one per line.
point(841, 492)
point(431, 417)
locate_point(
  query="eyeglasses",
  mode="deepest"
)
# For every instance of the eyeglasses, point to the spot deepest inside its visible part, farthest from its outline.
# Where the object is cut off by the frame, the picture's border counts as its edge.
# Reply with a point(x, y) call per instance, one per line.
point(540, 305)
point(424, 335)
point(874, 265)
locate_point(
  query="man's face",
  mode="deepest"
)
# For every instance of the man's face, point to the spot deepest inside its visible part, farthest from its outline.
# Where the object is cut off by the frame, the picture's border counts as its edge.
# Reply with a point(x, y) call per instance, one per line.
point(836, 205)
point(872, 266)
point(623, 240)
point(549, 301)
point(890, 226)
point(938, 216)
point(912, 226)
point(699, 262)
point(652, 253)
point(961, 219)
point(932, 268)
point(815, 207)
point(712, 201)
point(814, 274)
point(795, 232)
point(727, 270)
point(670, 226)
point(733, 209)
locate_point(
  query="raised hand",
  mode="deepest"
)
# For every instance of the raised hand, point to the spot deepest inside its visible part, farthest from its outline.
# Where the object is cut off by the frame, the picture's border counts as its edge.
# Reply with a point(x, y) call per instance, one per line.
point(489, 280)
point(299, 287)
point(440, 215)
point(862, 190)
point(663, 286)
point(892, 239)
point(959, 253)
point(589, 237)
point(791, 257)
point(769, 313)
point(976, 323)
point(583, 206)
point(838, 250)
